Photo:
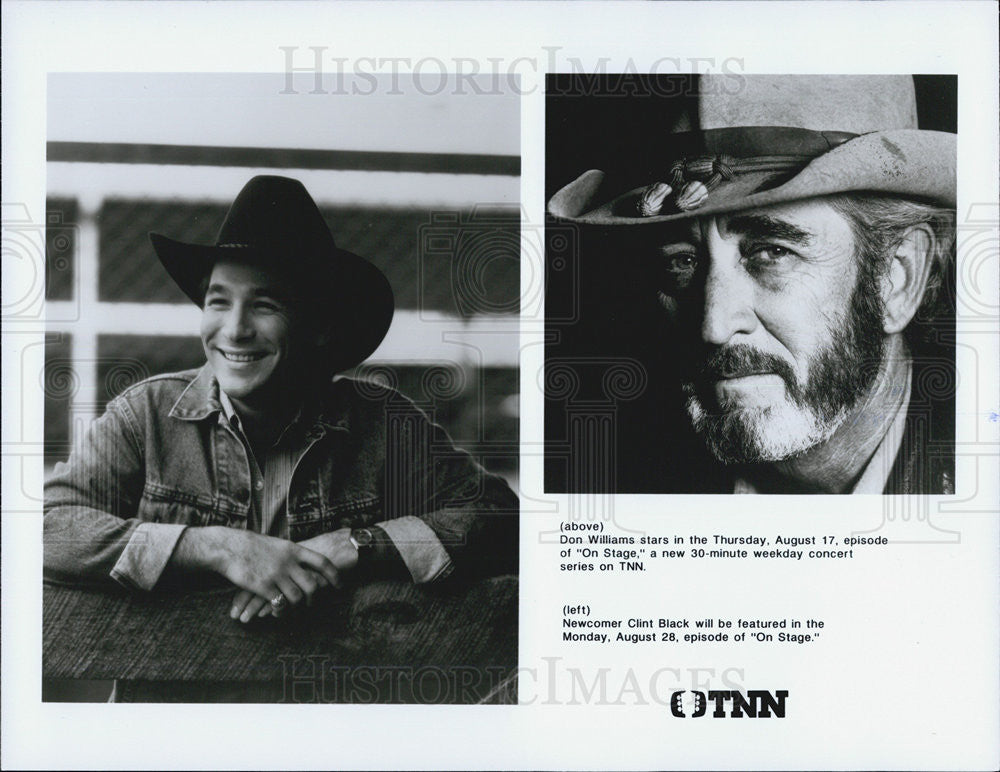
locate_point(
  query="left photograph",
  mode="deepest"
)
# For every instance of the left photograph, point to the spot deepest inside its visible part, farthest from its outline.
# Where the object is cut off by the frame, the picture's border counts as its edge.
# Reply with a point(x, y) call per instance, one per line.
point(281, 389)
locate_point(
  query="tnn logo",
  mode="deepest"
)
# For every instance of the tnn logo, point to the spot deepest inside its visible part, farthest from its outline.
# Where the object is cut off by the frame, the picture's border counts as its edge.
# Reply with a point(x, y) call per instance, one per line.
point(757, 703)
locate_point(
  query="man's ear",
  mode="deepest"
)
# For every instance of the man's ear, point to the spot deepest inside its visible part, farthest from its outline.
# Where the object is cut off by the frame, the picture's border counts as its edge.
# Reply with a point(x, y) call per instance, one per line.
point(904, 283)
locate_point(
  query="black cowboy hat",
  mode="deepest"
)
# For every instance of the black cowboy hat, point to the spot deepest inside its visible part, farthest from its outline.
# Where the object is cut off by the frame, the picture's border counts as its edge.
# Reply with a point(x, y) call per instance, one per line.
point(275, 222)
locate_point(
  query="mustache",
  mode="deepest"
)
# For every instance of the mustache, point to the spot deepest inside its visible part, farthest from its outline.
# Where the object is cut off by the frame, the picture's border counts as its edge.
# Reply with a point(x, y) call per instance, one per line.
point(739, 361)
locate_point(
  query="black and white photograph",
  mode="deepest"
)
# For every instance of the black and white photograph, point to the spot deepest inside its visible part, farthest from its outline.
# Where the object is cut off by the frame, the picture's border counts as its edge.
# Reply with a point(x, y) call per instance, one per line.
point(281, 386)
point(765, 294)
point(377, 377)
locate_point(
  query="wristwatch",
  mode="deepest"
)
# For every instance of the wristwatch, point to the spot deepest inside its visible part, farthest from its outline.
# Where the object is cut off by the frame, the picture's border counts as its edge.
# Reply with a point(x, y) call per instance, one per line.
point(363, 540)
point(377, 554)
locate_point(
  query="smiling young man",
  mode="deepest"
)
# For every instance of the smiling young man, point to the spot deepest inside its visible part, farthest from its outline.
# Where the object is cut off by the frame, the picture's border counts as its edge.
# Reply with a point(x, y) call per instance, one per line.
point(790, 244)
point(260, 468)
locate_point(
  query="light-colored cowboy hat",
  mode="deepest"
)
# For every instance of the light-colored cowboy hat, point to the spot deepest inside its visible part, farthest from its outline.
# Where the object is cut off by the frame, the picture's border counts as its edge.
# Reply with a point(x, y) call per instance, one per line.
point(776, 138)
point(274, 221)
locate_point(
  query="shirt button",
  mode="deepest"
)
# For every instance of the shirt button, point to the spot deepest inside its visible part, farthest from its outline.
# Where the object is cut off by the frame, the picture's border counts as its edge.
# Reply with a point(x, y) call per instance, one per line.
point(260, 485)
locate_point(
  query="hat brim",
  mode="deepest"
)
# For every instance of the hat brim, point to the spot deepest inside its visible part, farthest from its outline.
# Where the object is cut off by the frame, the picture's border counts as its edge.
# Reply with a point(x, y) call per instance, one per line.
point(906, 162)
point(356, 299)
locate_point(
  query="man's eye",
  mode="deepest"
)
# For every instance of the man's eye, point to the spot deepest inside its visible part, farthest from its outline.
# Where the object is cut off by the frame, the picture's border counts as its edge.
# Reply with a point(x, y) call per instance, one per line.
point(216, 302)
point(682, 261)
point(680, 269)
point(267, 306)
point(768, 254)
point(673, 267)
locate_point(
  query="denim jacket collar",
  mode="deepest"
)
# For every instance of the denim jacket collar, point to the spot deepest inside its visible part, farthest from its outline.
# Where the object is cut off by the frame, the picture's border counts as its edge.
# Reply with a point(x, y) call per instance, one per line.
point(200, 399)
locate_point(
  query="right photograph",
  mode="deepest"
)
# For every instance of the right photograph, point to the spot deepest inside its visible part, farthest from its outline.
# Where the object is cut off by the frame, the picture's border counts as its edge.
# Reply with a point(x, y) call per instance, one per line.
point(750, 284)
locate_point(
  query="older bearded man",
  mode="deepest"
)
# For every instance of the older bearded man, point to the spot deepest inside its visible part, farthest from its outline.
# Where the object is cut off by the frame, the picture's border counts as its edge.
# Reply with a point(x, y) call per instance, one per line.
point(790, 245)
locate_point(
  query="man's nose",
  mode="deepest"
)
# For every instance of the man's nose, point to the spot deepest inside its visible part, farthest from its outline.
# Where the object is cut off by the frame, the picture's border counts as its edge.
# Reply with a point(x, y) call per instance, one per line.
point(237, 325)
point(728, 303)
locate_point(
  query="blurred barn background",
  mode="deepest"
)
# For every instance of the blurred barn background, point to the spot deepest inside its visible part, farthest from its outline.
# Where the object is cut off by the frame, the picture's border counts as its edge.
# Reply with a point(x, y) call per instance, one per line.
point(422, 181)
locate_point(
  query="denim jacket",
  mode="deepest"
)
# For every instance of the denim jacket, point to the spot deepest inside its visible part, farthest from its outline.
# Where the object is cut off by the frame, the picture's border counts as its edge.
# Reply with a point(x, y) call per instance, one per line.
point(163, 457)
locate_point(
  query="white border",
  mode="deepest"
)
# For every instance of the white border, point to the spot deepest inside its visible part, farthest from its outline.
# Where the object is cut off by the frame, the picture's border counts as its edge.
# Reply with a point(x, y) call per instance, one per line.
point(937, 637)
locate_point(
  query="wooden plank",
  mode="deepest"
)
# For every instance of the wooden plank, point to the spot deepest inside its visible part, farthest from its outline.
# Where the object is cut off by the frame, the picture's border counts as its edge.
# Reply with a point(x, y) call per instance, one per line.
point(395, 635)
point(285, 158)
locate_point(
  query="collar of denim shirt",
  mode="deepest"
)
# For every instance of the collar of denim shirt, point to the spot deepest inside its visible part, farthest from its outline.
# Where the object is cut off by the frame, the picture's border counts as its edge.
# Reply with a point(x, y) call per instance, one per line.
point(203, 398)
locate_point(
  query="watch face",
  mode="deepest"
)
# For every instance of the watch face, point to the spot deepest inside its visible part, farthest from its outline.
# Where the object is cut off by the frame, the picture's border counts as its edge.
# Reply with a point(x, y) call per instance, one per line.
point(363, 537)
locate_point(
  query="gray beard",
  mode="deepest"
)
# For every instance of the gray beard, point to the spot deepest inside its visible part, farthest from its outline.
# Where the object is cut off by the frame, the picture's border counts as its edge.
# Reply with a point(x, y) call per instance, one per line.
point(810, 413)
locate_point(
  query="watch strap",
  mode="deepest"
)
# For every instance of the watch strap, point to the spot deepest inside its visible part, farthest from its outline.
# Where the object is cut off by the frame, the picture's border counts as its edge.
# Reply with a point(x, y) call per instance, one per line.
point(377, 553)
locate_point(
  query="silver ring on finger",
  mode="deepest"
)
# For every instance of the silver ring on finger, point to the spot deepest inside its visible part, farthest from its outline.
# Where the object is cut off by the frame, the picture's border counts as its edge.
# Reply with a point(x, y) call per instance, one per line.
point(278, 602)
